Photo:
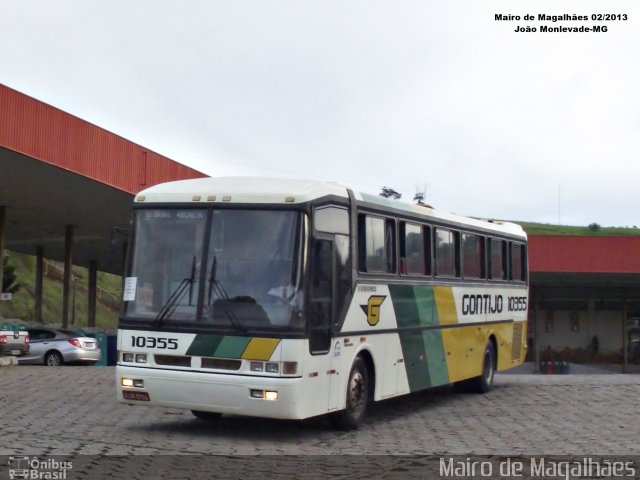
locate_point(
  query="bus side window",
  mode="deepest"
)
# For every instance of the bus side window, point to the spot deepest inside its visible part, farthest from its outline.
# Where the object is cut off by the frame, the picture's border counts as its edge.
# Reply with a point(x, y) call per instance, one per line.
point(497, 259)
point(517, 256)
point(473, 251)
point(447, 251)
point(376, 244)
point(414, 249)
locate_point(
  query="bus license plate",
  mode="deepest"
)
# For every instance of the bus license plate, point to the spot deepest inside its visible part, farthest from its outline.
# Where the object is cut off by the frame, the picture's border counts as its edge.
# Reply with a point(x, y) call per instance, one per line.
point(140, 396)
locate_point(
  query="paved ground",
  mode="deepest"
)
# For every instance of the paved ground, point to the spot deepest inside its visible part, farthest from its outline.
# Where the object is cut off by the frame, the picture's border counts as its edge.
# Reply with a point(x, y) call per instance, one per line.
point(47, 412)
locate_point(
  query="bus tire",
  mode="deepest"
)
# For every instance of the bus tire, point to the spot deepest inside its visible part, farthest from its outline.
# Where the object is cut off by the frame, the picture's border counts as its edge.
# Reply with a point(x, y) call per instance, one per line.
point(208, 416)
point(484, 383)
point(358, 391)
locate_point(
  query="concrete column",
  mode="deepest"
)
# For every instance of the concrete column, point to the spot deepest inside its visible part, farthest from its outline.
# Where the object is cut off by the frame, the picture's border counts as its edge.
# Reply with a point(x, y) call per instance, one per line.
point(591, 325)
point(66, 287)
point(625, 336)
point(39, 283)
point(93, 288)
point(3, 213)
point(536, 335)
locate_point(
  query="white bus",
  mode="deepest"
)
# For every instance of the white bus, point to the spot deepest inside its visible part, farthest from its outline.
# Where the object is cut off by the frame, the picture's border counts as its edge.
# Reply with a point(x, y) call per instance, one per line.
point(289, 299)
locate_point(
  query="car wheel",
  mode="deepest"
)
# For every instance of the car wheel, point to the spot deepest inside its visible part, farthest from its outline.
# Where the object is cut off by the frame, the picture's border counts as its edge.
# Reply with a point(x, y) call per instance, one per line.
point(53, 359)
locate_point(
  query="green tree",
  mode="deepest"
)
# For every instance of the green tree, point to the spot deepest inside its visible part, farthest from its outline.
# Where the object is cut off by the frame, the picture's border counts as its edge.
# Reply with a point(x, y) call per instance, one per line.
point(10, 282)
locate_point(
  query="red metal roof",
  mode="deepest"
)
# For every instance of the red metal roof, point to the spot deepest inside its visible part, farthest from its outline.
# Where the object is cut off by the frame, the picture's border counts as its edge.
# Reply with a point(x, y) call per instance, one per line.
point(43, 132)
point(577, 254)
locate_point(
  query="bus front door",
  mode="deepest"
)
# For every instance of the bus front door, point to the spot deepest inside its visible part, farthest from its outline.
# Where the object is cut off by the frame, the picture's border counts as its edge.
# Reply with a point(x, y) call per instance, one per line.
point(322, 313)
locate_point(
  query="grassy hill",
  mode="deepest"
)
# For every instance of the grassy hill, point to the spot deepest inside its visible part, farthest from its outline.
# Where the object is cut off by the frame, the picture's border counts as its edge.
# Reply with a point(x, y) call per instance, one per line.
point(22, 305)
point(590, 230)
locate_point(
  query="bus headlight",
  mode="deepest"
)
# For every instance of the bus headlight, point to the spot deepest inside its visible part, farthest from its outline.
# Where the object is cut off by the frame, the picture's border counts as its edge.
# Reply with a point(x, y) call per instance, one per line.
point(256, 366)
point(264, 394)
point(126, 382)
point(272, 368)
point(141, 358)
point(128, 357)
point(270, 395)
point(130, 382)
point(257, 393)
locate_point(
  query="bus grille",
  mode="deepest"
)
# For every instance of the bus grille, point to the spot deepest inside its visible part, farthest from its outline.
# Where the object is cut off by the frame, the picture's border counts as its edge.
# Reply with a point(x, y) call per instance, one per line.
point(516, 344)
point(172, 360)
point(221, 363)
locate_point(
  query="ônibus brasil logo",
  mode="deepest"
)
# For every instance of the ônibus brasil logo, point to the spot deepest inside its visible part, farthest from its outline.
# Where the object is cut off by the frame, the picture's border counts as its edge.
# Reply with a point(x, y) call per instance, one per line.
point(38, 469)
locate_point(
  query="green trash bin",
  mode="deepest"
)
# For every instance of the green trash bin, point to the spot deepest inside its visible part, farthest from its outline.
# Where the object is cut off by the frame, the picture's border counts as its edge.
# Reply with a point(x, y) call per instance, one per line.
point(80, 332)
point(101, 338)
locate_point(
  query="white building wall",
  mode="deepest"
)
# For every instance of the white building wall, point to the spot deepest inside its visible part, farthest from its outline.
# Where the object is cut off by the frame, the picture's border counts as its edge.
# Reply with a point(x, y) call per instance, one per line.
point(575, 329)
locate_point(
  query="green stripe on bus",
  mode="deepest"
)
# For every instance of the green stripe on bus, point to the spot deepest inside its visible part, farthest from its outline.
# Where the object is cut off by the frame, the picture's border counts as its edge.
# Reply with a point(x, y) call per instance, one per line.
point(413, 346)
point(426, 305)
point(404, 304)
point(423, 352)
point(436, 357)
point(232, 347)
point(223, 346)
point(434, 345)
point(204, 345)
point(415, 360)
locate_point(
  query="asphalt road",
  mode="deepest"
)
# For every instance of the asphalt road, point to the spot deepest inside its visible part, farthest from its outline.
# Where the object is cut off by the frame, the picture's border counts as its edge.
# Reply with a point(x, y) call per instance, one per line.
point(48, 412)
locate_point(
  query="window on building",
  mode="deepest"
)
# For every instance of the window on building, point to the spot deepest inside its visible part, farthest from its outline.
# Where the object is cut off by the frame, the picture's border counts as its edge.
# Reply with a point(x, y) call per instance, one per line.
point(575, 322)
point(548, 322)
point(473, 256)
point(446, 251)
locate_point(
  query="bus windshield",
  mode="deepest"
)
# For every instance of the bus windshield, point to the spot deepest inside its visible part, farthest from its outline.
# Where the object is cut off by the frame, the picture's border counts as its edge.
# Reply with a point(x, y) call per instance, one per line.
point(229, 269)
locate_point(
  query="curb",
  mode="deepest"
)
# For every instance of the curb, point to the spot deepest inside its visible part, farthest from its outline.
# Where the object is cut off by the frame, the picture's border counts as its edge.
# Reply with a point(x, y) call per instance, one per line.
point(8, 361)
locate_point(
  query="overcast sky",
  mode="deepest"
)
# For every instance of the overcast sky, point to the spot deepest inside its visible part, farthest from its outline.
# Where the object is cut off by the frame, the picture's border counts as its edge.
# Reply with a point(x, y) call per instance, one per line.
point(415, 95)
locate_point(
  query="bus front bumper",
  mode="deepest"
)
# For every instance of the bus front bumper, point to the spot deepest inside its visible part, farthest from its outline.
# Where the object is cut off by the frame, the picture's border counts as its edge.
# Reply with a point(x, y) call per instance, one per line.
point(269, 397)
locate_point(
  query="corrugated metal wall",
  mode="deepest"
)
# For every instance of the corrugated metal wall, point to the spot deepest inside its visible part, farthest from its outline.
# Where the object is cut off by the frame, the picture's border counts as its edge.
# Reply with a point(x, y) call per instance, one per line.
point(48, 134)
point(575, 254)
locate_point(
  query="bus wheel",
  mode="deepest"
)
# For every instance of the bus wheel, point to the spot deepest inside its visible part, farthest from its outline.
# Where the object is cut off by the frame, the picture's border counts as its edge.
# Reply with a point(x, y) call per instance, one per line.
point(357, 397)
point(484, 382)
point(208, 416)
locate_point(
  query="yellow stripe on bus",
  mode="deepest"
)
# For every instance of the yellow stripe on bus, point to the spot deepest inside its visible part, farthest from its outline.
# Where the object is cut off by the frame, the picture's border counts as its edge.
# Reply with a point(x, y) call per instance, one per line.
point(260, 348)
point(446, 305)
point(460, 344)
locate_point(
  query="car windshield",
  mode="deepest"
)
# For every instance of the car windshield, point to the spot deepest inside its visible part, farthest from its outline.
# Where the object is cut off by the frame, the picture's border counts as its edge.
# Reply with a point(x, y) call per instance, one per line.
point(231, 269)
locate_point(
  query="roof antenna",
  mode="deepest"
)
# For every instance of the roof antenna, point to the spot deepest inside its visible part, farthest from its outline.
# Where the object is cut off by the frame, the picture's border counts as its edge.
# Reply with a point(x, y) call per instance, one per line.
point(421, 194)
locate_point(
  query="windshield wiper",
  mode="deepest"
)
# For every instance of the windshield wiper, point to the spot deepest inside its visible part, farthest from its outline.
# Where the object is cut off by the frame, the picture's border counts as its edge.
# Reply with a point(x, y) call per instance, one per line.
point(174, 299)
point(214, 284)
